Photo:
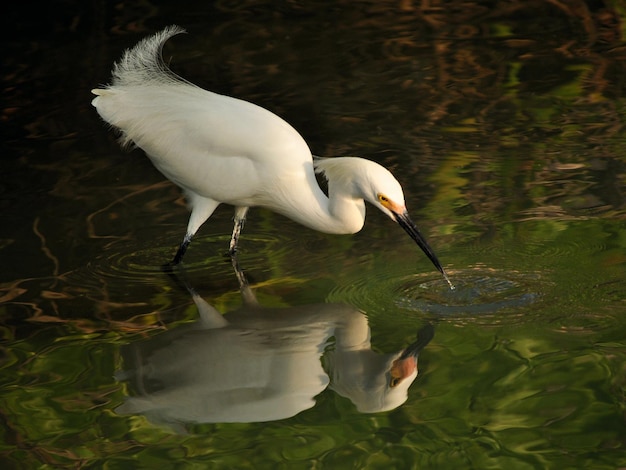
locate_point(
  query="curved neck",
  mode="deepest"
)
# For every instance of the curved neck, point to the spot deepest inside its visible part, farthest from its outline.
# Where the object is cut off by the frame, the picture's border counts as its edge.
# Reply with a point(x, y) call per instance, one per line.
point(339, 213)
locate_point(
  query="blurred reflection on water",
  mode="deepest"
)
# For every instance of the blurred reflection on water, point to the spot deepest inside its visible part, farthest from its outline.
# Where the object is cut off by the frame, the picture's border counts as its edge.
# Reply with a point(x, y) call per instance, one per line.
point(263, 364)
point(504, 121)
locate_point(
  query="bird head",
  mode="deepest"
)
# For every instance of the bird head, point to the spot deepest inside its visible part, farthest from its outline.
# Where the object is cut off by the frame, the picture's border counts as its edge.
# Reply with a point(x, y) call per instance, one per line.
point(385, 192)
point(375, 184)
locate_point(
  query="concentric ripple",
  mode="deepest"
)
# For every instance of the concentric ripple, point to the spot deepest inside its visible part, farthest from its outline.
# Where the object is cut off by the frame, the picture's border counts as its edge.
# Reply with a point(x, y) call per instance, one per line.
point(479, 292)
point(204, 254)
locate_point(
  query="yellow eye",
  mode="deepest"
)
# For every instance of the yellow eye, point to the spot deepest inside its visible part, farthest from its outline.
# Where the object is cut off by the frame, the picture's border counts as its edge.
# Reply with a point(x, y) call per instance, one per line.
point(383, 199)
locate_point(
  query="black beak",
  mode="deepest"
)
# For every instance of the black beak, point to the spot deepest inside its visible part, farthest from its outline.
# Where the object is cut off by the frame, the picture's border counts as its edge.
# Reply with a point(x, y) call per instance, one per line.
point(423, 338)
point(407, 224)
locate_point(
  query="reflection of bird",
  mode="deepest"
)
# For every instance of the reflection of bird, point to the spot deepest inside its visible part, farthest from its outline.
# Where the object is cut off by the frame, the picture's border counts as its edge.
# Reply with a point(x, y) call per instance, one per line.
point(262, 364)
point(224, 150)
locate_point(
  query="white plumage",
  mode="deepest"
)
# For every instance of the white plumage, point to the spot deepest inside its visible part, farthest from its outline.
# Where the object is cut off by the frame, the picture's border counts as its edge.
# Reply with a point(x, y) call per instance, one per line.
point(220, 149)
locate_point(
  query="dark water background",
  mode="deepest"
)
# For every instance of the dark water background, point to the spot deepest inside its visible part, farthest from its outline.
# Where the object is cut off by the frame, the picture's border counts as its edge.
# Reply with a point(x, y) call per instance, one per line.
point(502, 120)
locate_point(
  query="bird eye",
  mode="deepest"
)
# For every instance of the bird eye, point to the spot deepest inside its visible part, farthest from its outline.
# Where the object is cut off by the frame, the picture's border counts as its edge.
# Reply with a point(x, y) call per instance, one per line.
point(383, 198)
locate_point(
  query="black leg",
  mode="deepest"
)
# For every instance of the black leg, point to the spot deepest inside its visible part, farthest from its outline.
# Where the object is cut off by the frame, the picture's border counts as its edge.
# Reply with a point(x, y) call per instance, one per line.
point(182, 249)
point(241, 277)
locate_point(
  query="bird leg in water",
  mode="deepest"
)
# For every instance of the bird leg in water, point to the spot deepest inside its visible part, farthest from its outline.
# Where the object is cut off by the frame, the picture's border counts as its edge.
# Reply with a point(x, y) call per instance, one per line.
point(241, 277)
point(246, 291)
point(240, 219)
point(182, 249)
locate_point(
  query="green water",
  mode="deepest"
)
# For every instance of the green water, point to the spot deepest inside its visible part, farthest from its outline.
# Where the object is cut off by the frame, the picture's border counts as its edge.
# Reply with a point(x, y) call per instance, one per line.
point(504, 123)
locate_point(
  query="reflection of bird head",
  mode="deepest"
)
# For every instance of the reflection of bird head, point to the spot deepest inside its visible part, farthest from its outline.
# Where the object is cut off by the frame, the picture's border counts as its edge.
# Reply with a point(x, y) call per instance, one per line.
point(375, 382)
point(371, 381)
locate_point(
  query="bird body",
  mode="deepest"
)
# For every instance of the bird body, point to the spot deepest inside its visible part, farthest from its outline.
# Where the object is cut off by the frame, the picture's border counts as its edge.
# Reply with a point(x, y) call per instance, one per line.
point(220, 149)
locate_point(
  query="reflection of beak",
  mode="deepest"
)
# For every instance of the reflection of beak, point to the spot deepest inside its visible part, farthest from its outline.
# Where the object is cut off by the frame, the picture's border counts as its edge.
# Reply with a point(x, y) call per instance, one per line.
point(407, 224)
point(406, 364)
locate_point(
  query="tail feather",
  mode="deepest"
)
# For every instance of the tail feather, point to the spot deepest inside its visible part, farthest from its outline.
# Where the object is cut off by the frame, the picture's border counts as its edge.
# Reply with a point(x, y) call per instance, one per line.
point(138, 75)
point(144, 63)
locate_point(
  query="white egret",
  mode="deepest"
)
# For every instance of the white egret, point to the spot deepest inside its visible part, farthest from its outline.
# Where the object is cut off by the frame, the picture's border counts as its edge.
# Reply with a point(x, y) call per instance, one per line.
point(220, 149)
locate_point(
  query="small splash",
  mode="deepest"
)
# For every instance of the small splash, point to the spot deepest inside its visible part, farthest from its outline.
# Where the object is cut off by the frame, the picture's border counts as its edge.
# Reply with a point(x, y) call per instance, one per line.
point(480, 293)
point(445, 276)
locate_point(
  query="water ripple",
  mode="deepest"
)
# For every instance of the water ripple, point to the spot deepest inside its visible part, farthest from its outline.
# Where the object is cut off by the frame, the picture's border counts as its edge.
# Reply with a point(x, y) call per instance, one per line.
point(480, 293)
point(204, 254)
point(542, 249)
point(477, 293)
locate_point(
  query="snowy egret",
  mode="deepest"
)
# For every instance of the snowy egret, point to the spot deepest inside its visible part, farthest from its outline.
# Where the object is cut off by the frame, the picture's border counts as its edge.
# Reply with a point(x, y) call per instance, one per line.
point(220, 149)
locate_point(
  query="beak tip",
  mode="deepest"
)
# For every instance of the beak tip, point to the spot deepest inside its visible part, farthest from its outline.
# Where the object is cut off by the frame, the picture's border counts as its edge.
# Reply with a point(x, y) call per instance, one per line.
point(407, 224)
point(445, 276)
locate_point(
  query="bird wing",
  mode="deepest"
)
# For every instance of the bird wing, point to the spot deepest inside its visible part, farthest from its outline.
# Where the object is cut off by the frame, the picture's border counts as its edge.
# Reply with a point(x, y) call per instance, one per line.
point(206, 143)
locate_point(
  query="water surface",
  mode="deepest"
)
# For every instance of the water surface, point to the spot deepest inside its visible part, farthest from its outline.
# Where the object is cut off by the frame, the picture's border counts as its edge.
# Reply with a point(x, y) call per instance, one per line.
point(504, 123)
